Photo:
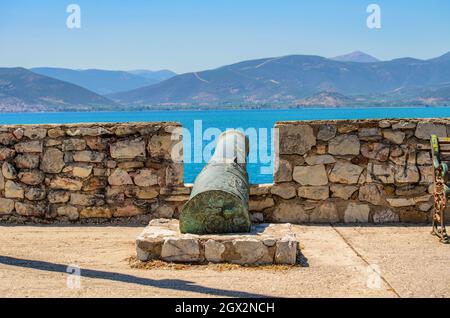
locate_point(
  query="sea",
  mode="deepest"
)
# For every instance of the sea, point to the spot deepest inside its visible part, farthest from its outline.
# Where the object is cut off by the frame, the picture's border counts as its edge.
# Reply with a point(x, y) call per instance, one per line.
point(201, 127)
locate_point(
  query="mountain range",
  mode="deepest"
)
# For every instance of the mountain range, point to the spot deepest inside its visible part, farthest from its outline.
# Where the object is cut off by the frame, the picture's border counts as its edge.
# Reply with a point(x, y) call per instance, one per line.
point(103, 81)
point(355, 79)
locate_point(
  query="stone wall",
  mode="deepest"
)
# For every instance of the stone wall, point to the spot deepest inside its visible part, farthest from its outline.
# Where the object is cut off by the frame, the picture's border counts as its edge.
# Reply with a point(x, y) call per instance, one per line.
point(329, 171)
point(351, 171)
point(88, 171)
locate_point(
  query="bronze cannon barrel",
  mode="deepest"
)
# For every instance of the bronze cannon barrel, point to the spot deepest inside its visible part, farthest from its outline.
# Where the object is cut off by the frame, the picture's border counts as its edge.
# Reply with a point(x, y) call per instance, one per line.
point(219, 198)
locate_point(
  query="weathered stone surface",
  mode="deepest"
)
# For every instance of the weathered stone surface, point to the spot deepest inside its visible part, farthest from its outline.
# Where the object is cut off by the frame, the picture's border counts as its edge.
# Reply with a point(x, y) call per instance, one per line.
point(86, 199)
point(404, 125)
point(164, 211)
point(73, 144)
point(284, 190)
point(128, 211)
point(251, 251)
point(380, 172)
point(161, 146)
point(385, 215)
point(424, 130)
point(96, 212)
point(325, 213)
point(174, 174)
point(29, 146)
point(6, 153)
point(146, 178)
point(310, 175)
point(410, 190)
point(130, 165)
point(259, 205)
point(180, 250)
point(314, 193)
point(344, 145)
point(406, 174)
point(97, 143)
point(119, 177)
point(31, 177)
point(52, 161)
point(35, 194)
point(372, 193)
point(146, 193)
point(87, 131)
point(6, 206)
point(94, 184)
point(7, 139)
point(58, 196)
point(342, 191)
point(56, 132)
point(68, 211)
point(283, 172)
point(404, 202)
point(8, 171)
point(356, 212)
point(320, 159)
point(260, 189)
point(384, 124)
point(65, 184)
point(347, 128)
point(425, 206)
point(377, 151)
point(13, 190)
point(426, 174)
point(82, 171)
point(18, 133)
point(326, 132)
point(297, 139)
point(396, 137)
point(286, 251)
point(345, 172)
point(424, 158)
point(35, 133)
point(257, 217)
point(28, 209)
point(52, 142)
point(88, 156)
point(214, 251)
point(369, 133)
point(291, 212)
point(128, 149)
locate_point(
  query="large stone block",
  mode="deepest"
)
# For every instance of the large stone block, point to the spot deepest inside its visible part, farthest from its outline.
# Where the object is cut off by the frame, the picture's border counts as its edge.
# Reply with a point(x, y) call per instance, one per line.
point(310, 175)
point(424, 130)
point(356, 212)
point(344, 145)
point(128, 149)
point(295, 139)
point(52, 161)
point(284, 190)
point(291, 212)
point(345, 172)
point(314, 192)
point(181, 250)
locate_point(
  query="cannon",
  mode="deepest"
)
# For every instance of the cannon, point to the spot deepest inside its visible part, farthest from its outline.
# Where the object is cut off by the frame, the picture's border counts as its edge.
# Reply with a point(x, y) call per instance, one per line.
point(220, 195)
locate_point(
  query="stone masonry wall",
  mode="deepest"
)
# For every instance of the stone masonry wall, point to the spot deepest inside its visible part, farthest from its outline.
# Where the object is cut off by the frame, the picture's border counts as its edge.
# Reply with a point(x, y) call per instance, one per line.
point(86, 171)
point(351, 171)
point(329, 171)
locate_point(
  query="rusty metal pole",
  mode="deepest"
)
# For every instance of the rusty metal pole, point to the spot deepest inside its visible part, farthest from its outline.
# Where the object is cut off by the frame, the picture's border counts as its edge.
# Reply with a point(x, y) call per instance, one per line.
point(219, 198)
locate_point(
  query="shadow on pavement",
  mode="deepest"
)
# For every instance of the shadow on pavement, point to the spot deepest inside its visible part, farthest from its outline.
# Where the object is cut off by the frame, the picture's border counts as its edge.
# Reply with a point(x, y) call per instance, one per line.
point(174, 284)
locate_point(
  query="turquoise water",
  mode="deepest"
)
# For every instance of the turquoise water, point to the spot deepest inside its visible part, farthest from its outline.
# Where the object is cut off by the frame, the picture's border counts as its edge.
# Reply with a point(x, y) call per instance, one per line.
point(225, 119)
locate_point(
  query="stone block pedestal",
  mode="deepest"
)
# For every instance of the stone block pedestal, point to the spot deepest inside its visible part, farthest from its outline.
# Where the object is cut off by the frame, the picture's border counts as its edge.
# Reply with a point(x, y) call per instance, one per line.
point(265, 244)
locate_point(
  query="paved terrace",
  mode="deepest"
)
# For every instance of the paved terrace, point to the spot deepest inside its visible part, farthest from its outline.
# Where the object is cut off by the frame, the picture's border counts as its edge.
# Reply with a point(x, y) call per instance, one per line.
point(33, 262)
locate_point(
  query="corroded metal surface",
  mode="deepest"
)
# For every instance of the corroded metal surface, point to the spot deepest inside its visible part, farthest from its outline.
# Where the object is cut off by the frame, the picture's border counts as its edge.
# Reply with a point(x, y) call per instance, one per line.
point(219, 198)
point(441, 190)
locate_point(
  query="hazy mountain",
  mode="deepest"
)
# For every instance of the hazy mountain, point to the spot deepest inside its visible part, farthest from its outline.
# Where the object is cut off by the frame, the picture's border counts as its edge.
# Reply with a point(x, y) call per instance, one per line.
point(23, 90)
point(102, 81)
point(158, 76)
point(357, 56)
point(285, 80)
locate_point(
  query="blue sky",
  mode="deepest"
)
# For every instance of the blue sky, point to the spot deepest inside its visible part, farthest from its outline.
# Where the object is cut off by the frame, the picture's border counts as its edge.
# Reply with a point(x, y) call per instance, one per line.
point(192, 35)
